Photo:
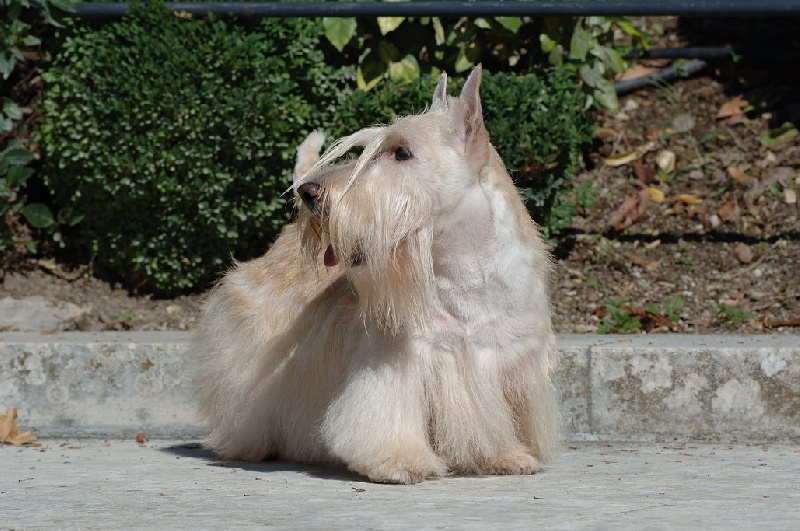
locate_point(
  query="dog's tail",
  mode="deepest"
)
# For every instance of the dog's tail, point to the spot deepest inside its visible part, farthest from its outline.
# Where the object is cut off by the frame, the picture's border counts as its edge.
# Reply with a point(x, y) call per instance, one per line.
point(308, 153)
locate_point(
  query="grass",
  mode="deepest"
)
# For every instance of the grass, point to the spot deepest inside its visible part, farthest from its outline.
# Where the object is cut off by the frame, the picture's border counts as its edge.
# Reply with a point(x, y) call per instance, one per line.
point(731, 315)
point(620, 317)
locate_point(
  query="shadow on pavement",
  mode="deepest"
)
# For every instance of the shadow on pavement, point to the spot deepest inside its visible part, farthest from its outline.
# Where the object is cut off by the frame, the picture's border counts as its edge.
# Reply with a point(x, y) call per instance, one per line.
point(196, 450)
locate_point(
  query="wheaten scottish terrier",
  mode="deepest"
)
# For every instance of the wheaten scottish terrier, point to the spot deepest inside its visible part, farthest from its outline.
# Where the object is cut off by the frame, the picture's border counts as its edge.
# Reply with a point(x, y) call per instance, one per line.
point(401, 326)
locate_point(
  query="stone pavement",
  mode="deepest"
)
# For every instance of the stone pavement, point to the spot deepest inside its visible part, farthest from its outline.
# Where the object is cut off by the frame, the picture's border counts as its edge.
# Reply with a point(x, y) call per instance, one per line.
point(175, 484)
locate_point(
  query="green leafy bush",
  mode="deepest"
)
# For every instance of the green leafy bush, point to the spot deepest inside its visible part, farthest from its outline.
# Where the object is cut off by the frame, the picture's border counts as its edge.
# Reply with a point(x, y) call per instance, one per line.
point(406, 47)
point(21, 25)
point(539, 126)
point(172, 140)
point(16, 35)
point(586, 45)
point(618, 318)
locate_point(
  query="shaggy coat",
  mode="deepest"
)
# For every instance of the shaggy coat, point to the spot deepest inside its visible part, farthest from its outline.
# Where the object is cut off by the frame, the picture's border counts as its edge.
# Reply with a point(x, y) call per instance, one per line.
point(400, 327)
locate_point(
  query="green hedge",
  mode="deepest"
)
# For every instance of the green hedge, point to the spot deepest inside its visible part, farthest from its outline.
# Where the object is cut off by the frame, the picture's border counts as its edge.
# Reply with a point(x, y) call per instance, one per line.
point(23, 24)
point(169, 142)
point(173, 139)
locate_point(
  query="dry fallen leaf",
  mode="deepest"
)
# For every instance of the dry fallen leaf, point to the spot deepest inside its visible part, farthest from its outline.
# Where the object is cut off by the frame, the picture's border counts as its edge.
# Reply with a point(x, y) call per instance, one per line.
point(644, 173)
point(50, 266)
point(630, 156)
point(10, 432)
point(776, 324)
point(635, 71)
point(652, 133)
point(688, 199)
point(605, 133)
point(656, 195)
point(631, 210)
point(738, 175)
point(734, 107)
point(731, 210)
point(697, 211)
point(790, 196)
point(624, 158)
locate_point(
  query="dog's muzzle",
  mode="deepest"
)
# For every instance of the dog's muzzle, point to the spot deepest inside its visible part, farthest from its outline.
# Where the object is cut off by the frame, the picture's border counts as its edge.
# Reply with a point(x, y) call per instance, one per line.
point(309, 194)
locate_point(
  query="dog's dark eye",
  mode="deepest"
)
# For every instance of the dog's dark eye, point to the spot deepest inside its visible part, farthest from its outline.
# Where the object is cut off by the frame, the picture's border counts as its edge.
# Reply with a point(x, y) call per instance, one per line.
point(401, 153)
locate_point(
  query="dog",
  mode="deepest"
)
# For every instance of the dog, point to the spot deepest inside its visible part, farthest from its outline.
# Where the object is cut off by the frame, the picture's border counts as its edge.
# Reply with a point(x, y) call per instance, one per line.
point(400, 327)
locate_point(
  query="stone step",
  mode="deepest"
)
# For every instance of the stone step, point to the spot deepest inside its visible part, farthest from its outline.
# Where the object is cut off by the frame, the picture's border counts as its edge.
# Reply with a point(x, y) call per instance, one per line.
point(85, 384)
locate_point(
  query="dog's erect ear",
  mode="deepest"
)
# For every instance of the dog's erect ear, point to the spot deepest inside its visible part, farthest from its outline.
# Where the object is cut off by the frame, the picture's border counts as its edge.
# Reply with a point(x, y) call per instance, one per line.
point(470, 121)
point(440, 94)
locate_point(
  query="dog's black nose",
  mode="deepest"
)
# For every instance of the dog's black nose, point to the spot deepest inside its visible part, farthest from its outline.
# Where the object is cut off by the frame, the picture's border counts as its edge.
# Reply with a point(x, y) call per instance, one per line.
point(308, 193)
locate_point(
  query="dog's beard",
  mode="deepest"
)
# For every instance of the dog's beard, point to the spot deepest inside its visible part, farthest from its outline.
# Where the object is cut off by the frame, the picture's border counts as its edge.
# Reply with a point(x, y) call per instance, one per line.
point(383, 245)
point(378, 229)
point(396, 289)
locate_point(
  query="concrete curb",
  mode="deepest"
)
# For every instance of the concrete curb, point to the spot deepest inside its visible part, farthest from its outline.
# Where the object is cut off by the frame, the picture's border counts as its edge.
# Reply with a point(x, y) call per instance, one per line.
point(612, 387)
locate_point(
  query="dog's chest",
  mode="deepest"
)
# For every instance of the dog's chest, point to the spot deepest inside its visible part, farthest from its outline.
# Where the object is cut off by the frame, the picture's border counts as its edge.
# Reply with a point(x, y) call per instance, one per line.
point(485, 305)
point(490, 281)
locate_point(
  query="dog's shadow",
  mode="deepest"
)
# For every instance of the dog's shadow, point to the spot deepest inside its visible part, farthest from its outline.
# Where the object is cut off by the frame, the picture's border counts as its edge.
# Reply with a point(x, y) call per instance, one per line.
point(195, 450)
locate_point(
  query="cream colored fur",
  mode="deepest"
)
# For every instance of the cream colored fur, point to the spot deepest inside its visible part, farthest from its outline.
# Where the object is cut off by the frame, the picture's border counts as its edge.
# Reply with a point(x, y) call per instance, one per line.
point(425, 348)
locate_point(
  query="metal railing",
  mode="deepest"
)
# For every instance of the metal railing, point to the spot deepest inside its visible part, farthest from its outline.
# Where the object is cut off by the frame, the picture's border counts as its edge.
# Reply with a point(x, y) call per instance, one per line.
point(445, 8)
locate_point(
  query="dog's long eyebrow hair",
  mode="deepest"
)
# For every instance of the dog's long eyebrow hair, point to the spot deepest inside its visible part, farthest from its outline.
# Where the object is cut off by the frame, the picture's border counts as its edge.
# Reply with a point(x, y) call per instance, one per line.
point(371, 139)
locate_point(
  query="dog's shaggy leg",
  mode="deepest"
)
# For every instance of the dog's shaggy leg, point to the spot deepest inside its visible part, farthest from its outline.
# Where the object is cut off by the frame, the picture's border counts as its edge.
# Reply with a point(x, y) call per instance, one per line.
point(406, 470)
point(378, 425)
point(514, 461)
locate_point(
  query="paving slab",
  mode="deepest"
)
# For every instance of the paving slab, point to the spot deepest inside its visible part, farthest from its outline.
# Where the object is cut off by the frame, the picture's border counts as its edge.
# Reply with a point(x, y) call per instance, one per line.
point(176, 484)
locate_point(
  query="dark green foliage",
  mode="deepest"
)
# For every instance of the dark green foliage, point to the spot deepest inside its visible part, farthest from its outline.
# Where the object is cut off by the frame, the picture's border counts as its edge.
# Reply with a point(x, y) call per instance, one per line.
point(406, 47)
point(174, 139)
point(22, 23)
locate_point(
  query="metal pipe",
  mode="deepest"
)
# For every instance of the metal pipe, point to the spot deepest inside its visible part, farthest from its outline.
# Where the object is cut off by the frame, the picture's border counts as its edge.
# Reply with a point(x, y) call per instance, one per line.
point(716, 52)
point(695, 52)
point(447, 8)
point(668, 74)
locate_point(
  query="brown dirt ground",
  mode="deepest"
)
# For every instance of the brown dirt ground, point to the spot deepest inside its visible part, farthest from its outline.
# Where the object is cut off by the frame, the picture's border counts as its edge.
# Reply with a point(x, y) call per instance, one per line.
point(709, 243)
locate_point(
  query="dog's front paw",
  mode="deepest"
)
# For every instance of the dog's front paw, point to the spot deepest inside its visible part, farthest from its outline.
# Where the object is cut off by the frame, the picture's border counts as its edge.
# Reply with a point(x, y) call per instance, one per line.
point(517, 463)
point(404, 471)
